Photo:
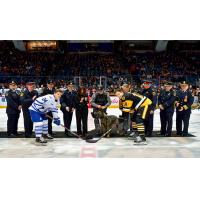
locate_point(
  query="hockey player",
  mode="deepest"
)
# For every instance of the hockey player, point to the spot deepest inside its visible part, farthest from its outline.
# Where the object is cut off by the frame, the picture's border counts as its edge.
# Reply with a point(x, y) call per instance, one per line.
point(138, 105)
point(39, 108)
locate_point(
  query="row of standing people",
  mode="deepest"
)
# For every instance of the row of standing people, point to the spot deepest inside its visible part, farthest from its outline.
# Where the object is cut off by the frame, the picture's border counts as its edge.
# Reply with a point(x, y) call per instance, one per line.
point(167, 100)
point(72, 100)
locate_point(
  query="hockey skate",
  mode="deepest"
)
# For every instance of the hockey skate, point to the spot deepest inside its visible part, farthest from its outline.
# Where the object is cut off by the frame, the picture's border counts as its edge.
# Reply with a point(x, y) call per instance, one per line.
point(48, 137)
point(40, 141)
point(140, 140)
point(132, 136)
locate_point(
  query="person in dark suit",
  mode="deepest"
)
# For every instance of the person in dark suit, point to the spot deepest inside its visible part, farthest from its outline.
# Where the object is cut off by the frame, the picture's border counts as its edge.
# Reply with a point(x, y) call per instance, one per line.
point(68, 106)
point(49, 90)
point(27, 98)
point(81, 101)
point(166, 100)
point(184, 101)
point(13, 109)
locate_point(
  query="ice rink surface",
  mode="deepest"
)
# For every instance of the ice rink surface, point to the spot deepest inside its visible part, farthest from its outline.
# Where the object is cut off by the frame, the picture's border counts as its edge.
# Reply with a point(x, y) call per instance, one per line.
point(158, 147)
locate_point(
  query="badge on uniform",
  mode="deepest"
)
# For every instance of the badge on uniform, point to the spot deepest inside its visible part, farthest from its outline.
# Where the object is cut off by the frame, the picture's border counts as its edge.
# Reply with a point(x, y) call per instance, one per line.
point(185, 99)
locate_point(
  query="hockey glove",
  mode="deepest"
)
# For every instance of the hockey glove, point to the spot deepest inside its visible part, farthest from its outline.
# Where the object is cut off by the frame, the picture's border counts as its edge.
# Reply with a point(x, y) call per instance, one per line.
point(56, 121)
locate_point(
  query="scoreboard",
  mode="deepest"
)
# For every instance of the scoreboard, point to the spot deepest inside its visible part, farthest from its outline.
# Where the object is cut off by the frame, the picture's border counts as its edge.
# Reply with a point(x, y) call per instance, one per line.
point(41, 45)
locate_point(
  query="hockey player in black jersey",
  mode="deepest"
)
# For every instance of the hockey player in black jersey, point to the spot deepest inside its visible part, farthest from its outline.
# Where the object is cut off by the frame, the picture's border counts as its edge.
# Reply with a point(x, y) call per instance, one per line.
point(138, 106)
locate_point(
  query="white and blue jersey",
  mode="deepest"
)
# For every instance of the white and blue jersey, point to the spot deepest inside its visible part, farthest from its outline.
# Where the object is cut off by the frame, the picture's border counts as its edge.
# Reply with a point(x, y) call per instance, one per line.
point(45, 104)
point(39, 108)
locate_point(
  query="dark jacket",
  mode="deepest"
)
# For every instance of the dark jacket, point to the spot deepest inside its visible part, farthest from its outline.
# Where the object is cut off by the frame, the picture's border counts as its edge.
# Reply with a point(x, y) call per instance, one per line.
point(27, 98)
point(80, 104)
point(167, 99)
point(185, 99)
point(149, 93)
point(67, 100)
point(100, 99)
point(13, 101)
point(47, 91)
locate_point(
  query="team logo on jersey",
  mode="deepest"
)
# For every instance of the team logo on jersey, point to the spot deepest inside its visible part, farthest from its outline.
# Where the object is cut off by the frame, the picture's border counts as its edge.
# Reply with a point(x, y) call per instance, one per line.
point(45, 100)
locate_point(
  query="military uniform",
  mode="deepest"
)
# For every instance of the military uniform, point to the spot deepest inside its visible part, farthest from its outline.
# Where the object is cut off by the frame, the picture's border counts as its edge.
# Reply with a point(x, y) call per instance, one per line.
point(102, 100)
point(26, 101)
point(13, 110)
point(166, 100)
point(183, 110)
point(149, 93)
point(45, 92)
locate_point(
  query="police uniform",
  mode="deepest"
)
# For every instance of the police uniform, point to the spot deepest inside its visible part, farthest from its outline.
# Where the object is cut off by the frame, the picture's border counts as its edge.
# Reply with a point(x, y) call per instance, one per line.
point(12, 110)
point(45, 92)
point(67, 101)
point(139, 105)
point(26, 101)
point(102, 99)
point(183, 110)
point(149, 93)
point(166, 100)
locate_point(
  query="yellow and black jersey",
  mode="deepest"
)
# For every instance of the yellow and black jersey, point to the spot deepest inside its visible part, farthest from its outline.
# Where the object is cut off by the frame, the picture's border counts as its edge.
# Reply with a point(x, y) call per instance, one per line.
point(133, 101)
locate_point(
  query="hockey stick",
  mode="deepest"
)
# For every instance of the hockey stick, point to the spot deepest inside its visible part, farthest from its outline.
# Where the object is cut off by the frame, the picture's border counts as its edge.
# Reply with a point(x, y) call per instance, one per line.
point(96, 140)
point(66, 128)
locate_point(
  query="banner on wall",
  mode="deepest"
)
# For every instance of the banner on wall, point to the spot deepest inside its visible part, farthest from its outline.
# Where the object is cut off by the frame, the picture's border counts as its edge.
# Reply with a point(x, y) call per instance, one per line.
point(3, 102)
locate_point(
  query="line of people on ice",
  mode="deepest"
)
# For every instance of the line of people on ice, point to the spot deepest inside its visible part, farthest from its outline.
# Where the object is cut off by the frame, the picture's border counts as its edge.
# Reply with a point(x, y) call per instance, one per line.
point(137, 109)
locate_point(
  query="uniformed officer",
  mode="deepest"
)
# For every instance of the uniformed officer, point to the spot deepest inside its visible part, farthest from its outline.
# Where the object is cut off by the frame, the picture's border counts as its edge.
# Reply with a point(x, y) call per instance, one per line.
point(27, 98)
point(166, 100)
point(149, 93)
point(67, 106)
point(13, 108)
point(49, 90)
point(100, 102)
point(184, 101)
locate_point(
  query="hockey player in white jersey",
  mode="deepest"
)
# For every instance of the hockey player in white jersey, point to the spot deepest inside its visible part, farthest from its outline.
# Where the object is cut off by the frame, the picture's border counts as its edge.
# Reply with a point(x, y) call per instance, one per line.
point(38, 110)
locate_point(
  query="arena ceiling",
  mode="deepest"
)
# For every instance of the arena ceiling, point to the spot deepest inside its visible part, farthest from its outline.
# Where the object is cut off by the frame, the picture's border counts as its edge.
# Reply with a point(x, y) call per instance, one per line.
point(153, 45)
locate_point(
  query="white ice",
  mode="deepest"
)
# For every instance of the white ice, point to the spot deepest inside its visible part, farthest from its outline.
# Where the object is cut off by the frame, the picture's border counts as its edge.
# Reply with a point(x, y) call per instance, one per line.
point(193, 128)
point(170, 147)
